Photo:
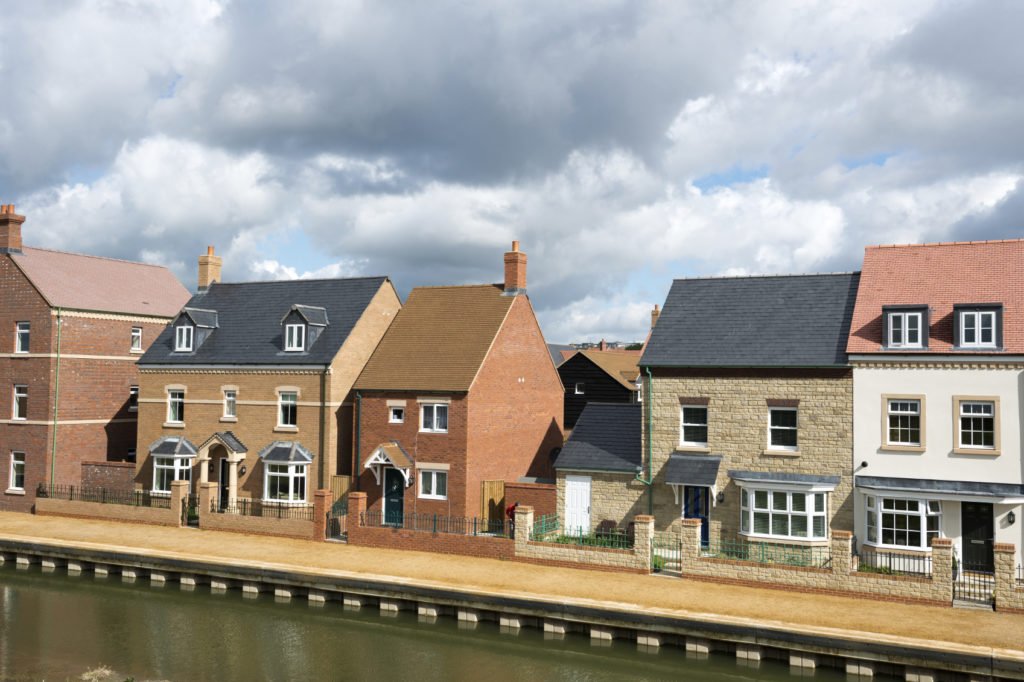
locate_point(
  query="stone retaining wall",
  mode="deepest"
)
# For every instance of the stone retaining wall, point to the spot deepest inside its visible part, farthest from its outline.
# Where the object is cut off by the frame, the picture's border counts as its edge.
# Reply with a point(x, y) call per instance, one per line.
point(635, 560)
point(46, 506)
point(839, 578)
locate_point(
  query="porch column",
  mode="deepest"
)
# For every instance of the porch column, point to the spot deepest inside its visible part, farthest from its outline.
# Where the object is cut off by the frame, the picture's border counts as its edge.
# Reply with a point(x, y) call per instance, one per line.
point(204, 466)
point(232, 481)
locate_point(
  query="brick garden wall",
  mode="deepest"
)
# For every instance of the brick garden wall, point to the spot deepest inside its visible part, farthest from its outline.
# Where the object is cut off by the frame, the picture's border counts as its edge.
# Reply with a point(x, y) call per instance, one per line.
point(109, 475)
point(438, 543)
point(541, 496)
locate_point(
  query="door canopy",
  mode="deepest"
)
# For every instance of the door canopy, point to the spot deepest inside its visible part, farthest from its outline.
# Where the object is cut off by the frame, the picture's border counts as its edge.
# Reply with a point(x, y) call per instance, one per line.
point(390, 455)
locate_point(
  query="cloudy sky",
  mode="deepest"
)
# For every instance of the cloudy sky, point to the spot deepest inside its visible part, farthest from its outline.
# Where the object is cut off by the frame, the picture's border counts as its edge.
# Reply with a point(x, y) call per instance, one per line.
point(623, 143)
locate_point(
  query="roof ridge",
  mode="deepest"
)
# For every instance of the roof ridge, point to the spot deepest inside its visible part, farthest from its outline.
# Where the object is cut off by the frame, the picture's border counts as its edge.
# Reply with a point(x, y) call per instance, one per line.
point(768, 275)
point(89, 255)
point(300, 279)
point(459, 286)
point(974, 242)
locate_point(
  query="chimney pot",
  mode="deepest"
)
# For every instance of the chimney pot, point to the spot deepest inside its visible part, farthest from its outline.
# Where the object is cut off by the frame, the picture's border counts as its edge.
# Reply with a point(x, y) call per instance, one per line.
point(515, 271)
point(10, 229)
point(515, 245)
point(209, 250)
point(209, 269)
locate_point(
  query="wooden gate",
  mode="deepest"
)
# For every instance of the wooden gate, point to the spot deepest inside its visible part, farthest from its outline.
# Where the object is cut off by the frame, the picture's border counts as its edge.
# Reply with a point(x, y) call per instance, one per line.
point(492, 500)
point(339, 487)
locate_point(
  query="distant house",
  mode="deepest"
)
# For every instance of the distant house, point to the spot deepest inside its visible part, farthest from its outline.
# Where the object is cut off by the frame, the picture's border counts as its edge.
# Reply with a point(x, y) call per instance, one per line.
point(560, 352)
point(598, 376)
point(250, 386)
point(461, 390)
point(73, 327)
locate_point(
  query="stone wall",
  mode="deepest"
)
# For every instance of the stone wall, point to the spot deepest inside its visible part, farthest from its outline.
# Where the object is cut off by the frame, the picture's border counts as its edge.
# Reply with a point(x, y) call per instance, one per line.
point(737, 402)
point(635, 560)
point(1009, 591)
point(613, 497)
point(109, 475)
point(840, 577)
point(45, 506)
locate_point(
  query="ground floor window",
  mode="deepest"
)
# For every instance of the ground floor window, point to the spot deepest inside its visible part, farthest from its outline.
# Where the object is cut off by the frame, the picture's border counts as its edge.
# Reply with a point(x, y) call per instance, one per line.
point(901, 522)
point(434, 485)
point(783, 514)
point(17, 481)
point(169, 469)
point(285, 483)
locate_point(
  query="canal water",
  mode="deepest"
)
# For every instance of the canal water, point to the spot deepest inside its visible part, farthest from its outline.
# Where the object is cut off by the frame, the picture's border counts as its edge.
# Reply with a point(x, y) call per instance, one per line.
point(58, 627)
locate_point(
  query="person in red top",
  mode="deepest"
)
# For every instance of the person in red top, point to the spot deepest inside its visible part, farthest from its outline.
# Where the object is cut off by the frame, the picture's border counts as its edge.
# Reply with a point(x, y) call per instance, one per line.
point(510, 512)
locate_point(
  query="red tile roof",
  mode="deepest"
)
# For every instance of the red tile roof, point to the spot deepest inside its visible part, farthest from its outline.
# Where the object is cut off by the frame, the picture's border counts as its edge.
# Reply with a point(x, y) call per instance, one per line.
point(82, 282)
point(940, 275)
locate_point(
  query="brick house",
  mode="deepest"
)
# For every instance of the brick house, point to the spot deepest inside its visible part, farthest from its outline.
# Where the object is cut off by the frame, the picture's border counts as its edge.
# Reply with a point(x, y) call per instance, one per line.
point(937, 348)
point(249, 387)
point(747, 414)
point(74, 327)
point(461, 390)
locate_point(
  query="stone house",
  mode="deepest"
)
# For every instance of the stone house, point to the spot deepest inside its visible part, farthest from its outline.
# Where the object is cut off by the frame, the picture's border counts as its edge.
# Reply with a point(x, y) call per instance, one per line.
point(250, 385)
point(460, 391)
point(937, 348)
point(73, 327)
point(747, 413)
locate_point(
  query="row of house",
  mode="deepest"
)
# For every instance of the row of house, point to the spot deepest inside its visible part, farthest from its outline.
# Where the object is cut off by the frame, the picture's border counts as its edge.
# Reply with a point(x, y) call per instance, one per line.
point(779, 409)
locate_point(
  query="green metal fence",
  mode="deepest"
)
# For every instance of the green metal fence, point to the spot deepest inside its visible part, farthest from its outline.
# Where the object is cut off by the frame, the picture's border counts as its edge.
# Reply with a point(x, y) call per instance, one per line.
point(769, 553)
point(611, 539)
point(544, 526)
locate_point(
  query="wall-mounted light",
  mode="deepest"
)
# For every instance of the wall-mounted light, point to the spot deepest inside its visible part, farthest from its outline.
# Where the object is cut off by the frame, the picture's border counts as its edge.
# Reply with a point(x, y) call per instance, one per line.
point(720, 498)
point(1011, 518)
point(241, 470)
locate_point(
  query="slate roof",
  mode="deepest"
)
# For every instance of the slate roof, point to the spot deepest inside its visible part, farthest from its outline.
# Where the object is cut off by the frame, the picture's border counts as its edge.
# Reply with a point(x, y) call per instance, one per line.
point(314, 315)
point(685, 469)
point(82, 282)
point(201, 317)
point(619, 365)
point(286, 452)
point(606, 438)
point(439, 339)
point(940, 276)
point(557, 352)
point(764, 321)
point(249, 330)
point(173, 445)
point(935, 486)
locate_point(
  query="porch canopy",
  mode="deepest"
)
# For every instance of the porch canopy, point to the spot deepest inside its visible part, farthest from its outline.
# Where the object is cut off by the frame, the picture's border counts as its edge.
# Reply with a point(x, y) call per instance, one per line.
point(286, 452)
point(173, 446)
point(967, 491)
point(226, 438)
point(692, 470)
point(783, 481)
point(390, 454)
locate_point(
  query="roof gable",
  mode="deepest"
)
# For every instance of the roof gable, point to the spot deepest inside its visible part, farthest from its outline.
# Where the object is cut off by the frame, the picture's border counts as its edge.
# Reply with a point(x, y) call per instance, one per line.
point(83, 282)
point(619, 365)
point(439, 339)
point(765, 321)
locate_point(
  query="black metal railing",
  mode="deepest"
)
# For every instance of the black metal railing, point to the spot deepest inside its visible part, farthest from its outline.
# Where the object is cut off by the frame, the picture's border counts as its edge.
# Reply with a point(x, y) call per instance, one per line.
point(266, 510)
point(131, 498)
point(973, 583)
point(337, 519)
point(894, 563)
point(437, 523)
point(1020, 576)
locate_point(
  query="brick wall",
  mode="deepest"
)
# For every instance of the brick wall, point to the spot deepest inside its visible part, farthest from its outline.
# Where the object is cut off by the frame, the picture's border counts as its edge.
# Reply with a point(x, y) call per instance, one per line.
point(117, 512)
point(257, 525)
point(540, 496)
point(109, 475)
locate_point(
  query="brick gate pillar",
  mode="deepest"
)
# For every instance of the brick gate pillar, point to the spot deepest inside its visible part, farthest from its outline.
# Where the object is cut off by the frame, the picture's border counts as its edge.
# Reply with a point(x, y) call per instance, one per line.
point(179, 491)
point(643, 539)
point(356, 507)
point(321, 505)
point(207, 494)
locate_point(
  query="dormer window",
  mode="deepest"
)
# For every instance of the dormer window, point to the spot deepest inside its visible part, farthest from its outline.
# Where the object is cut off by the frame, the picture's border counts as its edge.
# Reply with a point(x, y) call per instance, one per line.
point(978, 326)
point(906, 327)
point(295, 337)
point(183, 338)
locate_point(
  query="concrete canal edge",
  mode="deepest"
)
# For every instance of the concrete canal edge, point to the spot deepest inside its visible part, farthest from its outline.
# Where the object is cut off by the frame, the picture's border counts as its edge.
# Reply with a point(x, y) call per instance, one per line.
point(859, 654)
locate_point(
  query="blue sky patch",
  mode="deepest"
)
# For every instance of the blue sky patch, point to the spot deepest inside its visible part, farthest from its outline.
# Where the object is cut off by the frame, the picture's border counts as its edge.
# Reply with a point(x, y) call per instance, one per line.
point(737, 175)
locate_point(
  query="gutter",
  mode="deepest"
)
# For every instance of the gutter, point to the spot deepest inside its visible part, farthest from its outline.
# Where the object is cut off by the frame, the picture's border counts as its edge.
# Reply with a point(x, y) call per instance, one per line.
point(56, 396)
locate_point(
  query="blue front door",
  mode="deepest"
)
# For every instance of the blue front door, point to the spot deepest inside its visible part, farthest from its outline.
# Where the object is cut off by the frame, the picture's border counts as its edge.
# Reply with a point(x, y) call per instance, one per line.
point(394, 496)
point(695, 506)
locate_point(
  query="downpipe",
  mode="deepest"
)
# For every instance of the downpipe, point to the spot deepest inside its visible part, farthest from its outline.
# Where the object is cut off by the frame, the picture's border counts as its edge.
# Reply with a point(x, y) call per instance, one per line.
point(649, 479)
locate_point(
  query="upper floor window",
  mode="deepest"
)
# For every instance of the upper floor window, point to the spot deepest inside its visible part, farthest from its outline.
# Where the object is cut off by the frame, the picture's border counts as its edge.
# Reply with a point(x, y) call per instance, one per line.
point(782, 428)
point(230, 404)
point(176, 406)
point(977, 424)
point(903, 421)
point(22, 336)
point(183, 337)
point(905, 330)
point(287, 409)
point(133, 398)
point(978, 329)
point(693, 429)
point(20, 410)
point(396, 415)
point(434, 418)
point(136, 338)
point(17, 479)
point(295, 337)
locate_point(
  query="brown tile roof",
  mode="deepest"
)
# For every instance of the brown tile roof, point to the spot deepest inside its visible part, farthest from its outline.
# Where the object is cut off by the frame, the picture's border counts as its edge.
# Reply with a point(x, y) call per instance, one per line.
point(940, 275)
point(82, 282)
point(438, 340)
point(619, 365)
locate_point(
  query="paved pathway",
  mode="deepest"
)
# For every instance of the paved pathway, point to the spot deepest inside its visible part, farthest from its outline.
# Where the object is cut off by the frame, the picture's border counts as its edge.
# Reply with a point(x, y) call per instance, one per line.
point(861, 619)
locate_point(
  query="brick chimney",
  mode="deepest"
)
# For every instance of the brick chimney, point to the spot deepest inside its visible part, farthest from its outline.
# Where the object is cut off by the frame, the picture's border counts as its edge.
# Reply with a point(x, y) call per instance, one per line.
point(209, 269)
point(515, 271)
point(602, 345)
point(10, 229)
point(655, 314)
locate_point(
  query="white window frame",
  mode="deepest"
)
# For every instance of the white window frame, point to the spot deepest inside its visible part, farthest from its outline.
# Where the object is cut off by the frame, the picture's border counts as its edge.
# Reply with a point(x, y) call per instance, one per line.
point(180, 469)
point(22, 344)
point(20, 391)
point(133, 398)
point(136, 339)
point(961, 415)
point(184, 337)
point(396, 414)
point(171, 401)
point(290, 472)
point(903, 341)
point(978, 318)
point(579, 388)
point(875, 511)
point(294, 337)
point(433, 407)
point(910, 413)
point(433, 476)
point(293, 401)
point(683, 424)
point(230, 404)
point(17, 469)
point(815, 506)
point(794, 429)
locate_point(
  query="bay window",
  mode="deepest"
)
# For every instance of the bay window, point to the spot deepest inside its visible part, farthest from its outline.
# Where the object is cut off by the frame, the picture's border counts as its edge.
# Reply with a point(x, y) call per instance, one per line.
point(783, 514)
point(902, 523)
point(169, 469)
point(285, 483)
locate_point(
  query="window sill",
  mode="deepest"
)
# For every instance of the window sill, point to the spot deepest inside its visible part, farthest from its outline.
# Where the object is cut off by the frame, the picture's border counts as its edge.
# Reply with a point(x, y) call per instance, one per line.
point(693, 448)
point(902, 448)
point(174, 425)
point(780, 453)
point(433, 498)
point(442, 433)
point(14, 491)
point(16, 420)
point(286, 429)
point(980, 452)
point(229, 419)
point(136, 351)
point(782, 539)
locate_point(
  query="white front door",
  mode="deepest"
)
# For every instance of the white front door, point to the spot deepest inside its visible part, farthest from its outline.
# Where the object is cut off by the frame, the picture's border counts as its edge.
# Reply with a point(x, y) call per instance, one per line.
point(577, 504)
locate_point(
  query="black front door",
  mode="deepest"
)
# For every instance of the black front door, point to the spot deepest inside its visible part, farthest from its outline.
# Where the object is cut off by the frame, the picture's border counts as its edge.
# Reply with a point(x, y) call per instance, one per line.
point(394, 496)
point(978, 529)
point(224, 481)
